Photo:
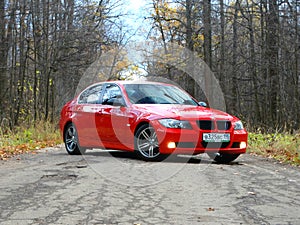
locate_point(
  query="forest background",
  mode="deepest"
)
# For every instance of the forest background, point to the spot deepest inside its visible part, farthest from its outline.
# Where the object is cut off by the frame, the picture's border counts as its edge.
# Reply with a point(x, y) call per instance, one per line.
point(252, 47)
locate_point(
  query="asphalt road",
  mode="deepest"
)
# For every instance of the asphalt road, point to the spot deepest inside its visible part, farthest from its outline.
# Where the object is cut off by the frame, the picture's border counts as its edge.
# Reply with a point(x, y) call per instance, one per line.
point(51, 187)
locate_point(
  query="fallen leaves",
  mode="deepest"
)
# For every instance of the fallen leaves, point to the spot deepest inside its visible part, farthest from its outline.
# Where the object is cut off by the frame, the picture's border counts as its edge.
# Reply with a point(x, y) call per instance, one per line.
point(3, 155)
point(7, 152)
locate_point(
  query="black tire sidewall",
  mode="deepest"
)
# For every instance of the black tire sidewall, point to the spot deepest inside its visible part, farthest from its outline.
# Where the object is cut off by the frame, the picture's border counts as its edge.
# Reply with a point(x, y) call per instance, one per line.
point(223, 157)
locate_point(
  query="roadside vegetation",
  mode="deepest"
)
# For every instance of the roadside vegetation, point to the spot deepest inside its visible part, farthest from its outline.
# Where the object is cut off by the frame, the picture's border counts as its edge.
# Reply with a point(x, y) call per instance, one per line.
point(27, 139)
point(283, 147)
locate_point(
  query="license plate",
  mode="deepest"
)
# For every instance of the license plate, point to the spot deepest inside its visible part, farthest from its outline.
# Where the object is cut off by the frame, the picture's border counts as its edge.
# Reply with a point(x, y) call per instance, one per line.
point(216, 137)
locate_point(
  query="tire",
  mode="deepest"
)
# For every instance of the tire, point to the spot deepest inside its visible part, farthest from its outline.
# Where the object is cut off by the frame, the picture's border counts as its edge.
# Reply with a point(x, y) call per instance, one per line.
point(146, 143)
point(71, 140)
point(223, 157)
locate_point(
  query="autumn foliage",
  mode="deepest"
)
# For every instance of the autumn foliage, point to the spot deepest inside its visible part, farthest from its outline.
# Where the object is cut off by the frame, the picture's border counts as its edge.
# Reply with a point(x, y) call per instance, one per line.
point(27, 139)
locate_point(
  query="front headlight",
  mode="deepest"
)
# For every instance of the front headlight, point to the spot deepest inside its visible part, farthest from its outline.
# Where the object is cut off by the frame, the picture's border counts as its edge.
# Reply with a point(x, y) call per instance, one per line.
point(238, 125)
point(172, 123)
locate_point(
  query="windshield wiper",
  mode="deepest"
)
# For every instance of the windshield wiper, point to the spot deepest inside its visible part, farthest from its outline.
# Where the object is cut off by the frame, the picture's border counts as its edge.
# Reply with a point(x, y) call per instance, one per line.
point(171, 98)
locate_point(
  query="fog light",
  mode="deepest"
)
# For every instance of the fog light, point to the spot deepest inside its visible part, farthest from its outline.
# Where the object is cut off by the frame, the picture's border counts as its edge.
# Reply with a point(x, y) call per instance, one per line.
point(171, 145)
point(243, 144)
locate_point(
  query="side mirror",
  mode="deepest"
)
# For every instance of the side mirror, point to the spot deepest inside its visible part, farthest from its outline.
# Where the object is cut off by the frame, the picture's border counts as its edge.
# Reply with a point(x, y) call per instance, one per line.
point(203, 104)
point(119, 102)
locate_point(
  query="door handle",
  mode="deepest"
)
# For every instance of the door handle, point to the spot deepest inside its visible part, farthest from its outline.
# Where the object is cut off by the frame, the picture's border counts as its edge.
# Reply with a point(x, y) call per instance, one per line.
point(99, 113)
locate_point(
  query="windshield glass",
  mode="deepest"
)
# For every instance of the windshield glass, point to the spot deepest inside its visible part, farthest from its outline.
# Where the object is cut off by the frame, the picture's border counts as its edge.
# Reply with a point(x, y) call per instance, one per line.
point(157, 94)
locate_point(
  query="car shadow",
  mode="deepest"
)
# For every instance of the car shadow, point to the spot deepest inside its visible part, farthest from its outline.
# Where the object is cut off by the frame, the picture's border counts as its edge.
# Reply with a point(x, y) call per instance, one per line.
point(190, 159)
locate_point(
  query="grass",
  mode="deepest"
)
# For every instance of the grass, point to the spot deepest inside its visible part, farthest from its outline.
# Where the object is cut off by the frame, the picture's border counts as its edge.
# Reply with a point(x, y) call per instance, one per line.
point(280, 146)
point(28, 139)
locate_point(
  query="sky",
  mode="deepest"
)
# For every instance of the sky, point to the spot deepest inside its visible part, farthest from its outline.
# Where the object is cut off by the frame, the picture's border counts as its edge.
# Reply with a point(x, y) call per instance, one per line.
point(136, 4)
point(137, 11)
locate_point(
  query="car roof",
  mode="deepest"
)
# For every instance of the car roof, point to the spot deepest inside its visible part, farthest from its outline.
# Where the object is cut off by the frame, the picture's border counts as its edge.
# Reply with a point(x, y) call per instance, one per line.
point(122, 82)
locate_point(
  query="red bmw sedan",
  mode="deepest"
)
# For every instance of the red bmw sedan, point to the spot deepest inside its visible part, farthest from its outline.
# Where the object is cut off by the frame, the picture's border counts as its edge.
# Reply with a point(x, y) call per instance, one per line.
point(150, 118)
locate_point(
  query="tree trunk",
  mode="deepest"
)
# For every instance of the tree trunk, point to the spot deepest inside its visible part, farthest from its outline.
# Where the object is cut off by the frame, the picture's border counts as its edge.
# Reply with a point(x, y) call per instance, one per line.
point(297, 64)
point(273, 66)
point(207, 32)
point(222, 44)
point(234, 101)
point(189, 30)
point(3, 58)
point(253, 68)
point(162, 33)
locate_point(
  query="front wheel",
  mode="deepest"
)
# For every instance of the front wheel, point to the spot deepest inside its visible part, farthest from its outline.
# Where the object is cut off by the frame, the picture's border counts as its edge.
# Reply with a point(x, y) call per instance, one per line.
point(146, 143)
point(71, 140)
point(222, 157)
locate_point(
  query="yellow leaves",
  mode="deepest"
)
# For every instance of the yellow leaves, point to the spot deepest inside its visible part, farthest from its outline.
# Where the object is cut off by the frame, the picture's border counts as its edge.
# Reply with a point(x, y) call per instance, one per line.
point(3, 155)
point(30, 88)
point(199, 37)
point(166, 8)
point(131, 72)
point(134, 68)
point(98, 14)
point(122, 64)
point(167, 15)
point(198, 40)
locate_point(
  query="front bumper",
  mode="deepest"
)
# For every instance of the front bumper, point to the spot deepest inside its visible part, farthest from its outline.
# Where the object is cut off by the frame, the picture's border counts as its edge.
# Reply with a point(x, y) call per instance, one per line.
point(190, 141)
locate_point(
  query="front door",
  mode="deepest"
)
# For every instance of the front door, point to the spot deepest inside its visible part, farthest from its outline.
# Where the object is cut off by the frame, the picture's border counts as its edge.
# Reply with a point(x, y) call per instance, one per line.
point(114, 119)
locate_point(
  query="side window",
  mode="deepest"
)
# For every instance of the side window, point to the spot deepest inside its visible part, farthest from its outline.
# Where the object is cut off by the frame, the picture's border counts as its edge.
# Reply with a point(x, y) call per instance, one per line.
point(91, 95)
point(112, 95)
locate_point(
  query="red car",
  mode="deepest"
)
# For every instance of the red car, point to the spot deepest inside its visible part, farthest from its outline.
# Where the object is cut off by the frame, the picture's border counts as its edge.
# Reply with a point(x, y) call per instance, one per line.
point(150, 118)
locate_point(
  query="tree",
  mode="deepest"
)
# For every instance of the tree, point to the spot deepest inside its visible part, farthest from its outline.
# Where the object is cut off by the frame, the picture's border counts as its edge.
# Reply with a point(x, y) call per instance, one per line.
point(252, 46)
point(45, 46)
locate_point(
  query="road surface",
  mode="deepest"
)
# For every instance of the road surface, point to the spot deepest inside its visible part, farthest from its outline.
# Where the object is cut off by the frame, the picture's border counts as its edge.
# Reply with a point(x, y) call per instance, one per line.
point(51, 187)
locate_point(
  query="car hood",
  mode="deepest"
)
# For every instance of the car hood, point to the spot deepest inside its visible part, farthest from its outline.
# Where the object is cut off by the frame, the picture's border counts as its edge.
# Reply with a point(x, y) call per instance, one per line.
point(183, 112)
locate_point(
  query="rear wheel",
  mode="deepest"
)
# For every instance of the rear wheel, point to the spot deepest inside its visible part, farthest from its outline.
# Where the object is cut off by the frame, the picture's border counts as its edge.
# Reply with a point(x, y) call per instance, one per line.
point(71, 140)
point(222, 157)
point(146, 143)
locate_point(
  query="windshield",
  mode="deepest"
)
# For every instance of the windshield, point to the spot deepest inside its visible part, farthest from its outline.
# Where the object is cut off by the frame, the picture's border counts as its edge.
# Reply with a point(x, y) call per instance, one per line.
point(157, 94)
